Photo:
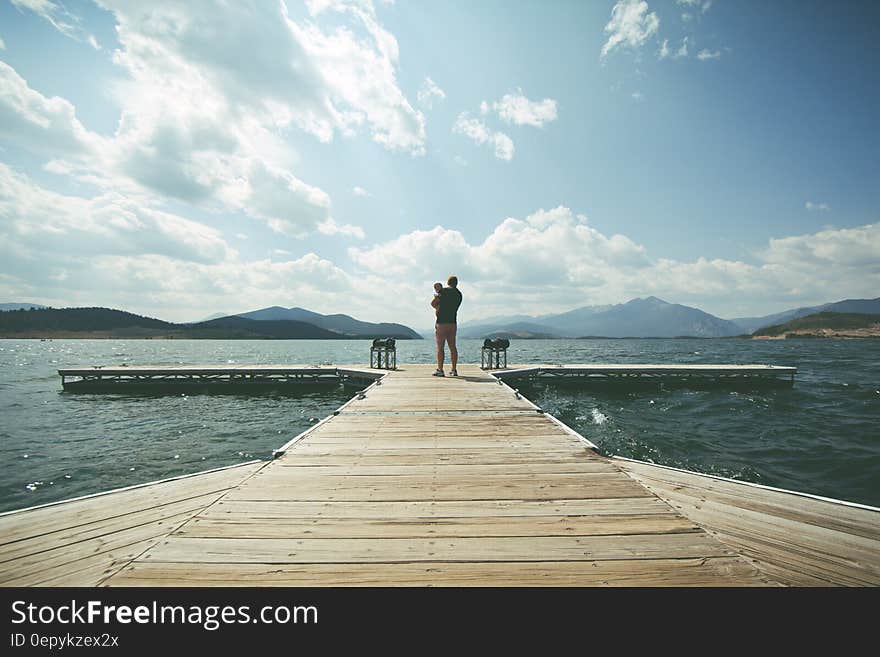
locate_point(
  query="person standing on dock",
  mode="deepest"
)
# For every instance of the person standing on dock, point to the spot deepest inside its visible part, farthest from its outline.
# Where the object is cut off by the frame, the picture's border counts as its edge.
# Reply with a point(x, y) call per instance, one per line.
point(447, 318)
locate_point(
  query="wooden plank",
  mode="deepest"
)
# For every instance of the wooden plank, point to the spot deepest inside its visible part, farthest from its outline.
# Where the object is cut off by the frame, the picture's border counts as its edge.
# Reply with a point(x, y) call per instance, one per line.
point(28, 523)
point(798, 540)
point(529, 490)
point(429, 456)
point(69, 537)
point(35, 568)
point(719, 571)
point(440, 509)
point(577, 467)
point(383, 550)
point(391, 527)
point(863, 522)
point(89, 571)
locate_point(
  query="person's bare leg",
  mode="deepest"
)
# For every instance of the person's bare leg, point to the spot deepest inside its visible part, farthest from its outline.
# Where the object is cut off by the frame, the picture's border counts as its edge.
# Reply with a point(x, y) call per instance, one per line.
point(440, 354)
point(453, 349)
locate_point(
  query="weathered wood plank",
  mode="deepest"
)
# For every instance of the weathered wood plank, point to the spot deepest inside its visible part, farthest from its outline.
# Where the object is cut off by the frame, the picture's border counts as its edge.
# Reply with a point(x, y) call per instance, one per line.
point(391, 527)
point(32, 569)
point(528, 490)
point(28, 523)
point(70, 537)
point(369, 550)
point(439, 509)
point(798, 540)
point(716, 571)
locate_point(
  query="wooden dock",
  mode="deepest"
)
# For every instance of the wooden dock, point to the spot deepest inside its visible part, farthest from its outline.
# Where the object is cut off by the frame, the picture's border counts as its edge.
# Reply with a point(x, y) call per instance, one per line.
point(421, 481)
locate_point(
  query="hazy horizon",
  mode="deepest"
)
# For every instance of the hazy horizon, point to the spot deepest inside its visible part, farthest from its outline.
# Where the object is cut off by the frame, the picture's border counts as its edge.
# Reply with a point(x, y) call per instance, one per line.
point(181, 159)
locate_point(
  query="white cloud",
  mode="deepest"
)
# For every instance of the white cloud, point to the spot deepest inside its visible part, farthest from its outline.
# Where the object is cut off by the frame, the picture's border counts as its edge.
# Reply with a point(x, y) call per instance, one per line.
point(429, 92)
point(554, 260)
point(630, 25)
point(706, 54)
point(37, 222)
point(360, 191)
point(702, 5)
point(60, 18)
point(258, 62)
point(517, 109)
point(809, 205)
point(330, 227)
point(2, 44)
point(44, 125)
point(638, 96)
point(683, 49)
point(179, 137)
point(663, 53)
point(552, 247)
point(479, 133)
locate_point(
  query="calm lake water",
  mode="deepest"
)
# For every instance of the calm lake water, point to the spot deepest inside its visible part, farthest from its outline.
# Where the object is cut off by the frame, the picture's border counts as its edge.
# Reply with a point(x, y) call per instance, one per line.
point(821, 437)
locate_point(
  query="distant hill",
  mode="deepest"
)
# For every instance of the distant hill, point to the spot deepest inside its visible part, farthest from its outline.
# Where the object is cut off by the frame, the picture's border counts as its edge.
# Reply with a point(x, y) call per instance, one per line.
point(859, 306)
point(826, 325)
point(341, 324)
point(210, 317)
point(76, 320)
point(229, 328)
point(109, 323)
point(649, 317)
point(20, 306)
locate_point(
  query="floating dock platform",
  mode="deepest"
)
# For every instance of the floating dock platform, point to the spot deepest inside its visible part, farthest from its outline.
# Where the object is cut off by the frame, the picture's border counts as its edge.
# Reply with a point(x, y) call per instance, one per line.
point(159, 377)
point(220, 377)
point(603, 374)
point(425, 481)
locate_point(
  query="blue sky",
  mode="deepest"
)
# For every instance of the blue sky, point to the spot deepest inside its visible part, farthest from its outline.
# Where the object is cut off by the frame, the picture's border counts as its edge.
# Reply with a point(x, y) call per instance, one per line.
point(180, 159)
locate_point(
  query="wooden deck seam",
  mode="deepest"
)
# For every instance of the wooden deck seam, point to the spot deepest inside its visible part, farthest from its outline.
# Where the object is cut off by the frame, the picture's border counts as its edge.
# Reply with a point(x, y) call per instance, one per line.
point(102, 580)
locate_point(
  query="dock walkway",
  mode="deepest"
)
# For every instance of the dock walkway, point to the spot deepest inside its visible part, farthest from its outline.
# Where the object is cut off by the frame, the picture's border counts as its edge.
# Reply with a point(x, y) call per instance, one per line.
point(457, 481)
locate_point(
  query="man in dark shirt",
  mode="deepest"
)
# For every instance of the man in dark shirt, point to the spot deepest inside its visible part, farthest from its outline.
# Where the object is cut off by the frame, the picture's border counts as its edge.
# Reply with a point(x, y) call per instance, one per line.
point(447, 318)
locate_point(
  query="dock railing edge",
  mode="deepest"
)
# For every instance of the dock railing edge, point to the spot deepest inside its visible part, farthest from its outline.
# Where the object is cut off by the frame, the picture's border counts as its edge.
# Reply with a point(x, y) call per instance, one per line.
point(358, 395)
point(132, 487)
point(857, 505)
point(549, 416)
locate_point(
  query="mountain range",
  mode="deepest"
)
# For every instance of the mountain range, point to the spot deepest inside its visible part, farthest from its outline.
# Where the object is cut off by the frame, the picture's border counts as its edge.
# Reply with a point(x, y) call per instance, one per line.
point(109, 323)
point(648, 317)
point(341, 324)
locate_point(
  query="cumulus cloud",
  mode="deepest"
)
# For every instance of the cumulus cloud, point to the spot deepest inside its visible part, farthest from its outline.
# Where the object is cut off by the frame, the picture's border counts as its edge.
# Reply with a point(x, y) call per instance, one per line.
point(683, 49)
point(44, 125)
point(663, 53)
point(706, 54)
point(37, 221)
point(330, 227)
point(817, 207)
point(60, 18)
point(429, 92)
point(517, 109)
point(360, 191)
point(188, 131)
point(554, 260)
point(702, 5)
point(630, 25)
point(111, 250)
point(479, 133)
point(547, 247)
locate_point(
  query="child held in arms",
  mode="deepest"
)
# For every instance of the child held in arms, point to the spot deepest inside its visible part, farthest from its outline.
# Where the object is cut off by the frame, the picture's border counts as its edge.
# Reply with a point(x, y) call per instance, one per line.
point(435, 302)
